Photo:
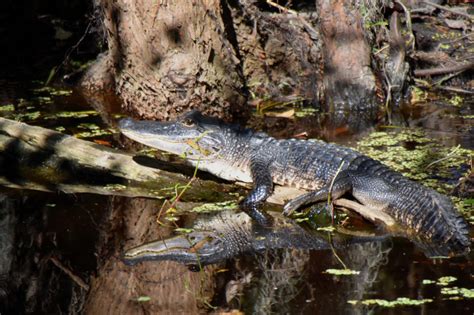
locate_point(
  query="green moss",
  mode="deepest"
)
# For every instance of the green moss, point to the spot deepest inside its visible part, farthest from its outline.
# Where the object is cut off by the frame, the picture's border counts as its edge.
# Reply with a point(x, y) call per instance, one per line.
point(72, 114)
point(28, 116)
point(409, 152)
point(444, 281)
point(305, 111)
point(183, 230)
point(88, 126)
point(456, 100)
point(326, 229)
point(144, 298)
point(217, 206)
point(52, 91)
point(7, 108)
point(458, 292)
point(401, 301)
point(93, 133)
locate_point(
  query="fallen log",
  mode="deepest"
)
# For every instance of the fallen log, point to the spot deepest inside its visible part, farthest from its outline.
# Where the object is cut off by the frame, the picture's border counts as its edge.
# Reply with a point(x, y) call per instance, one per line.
point(41, 159)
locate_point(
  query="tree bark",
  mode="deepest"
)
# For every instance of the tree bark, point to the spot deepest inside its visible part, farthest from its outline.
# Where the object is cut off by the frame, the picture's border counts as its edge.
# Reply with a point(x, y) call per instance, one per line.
point(164, 58)
point(167, 57)
point(349, 83)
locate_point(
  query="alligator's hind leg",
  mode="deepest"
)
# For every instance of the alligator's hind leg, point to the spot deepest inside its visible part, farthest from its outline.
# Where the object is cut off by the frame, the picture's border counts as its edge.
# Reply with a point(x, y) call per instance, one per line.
point(341, 185)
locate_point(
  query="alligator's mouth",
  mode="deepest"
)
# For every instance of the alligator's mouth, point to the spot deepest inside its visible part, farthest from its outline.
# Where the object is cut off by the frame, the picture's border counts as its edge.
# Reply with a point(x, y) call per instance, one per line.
point(195, 248)
point(170, 137)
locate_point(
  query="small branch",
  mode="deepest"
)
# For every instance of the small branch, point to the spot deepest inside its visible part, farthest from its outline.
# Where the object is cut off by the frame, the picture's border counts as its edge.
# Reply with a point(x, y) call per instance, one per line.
point(454, 89)
point(450, 154)
point(448, 9)
point(436, 71)
point(73, 277)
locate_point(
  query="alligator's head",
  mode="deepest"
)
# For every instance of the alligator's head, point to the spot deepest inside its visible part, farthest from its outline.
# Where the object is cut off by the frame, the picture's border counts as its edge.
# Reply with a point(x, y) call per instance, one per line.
point(198, 248)
point(213, 238)
point(192, 135)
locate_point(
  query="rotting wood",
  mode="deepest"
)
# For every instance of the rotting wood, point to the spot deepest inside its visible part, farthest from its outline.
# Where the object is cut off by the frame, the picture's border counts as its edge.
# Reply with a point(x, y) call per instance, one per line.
point(41, 159)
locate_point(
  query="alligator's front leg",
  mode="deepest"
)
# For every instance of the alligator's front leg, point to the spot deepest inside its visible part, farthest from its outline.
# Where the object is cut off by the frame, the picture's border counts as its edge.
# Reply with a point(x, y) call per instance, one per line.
point(262, 189)
point(342, 184)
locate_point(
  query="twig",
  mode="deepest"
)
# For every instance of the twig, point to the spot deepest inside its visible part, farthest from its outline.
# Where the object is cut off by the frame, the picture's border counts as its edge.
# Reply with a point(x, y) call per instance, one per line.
point(446, 78)
point(335, 253)
point(73, 277)
point(448, 9)
point(440, 70)
point(444, 158)
point(178, 196)
point(454, 89)
point(330, 190)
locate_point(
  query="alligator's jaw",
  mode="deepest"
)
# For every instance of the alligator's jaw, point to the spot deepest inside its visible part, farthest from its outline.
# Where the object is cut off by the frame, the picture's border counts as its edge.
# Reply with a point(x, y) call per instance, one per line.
point(192, 249)
point(153, 134)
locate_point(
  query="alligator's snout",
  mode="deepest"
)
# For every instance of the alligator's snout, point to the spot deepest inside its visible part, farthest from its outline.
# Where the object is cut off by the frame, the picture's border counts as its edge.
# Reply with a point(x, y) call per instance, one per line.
point(126, 123)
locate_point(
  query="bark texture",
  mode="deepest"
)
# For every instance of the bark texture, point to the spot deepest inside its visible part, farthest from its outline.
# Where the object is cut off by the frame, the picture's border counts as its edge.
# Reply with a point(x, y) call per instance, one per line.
point(350, 85)
point(168, 57)
point(222, 57)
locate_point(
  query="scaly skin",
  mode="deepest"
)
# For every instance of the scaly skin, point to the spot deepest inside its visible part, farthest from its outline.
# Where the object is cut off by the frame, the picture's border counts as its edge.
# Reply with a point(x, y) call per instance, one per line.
point(226, 234)
point(233, 153)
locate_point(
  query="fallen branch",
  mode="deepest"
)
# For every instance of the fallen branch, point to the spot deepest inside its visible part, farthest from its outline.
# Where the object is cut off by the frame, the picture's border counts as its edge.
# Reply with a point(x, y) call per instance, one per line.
point(41, 159)
point(73, 277)
point(443, 70)
point(448, 9)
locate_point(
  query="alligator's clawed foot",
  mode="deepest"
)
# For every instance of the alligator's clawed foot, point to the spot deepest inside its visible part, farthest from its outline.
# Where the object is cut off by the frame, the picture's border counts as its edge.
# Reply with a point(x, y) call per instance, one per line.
point(296, 203)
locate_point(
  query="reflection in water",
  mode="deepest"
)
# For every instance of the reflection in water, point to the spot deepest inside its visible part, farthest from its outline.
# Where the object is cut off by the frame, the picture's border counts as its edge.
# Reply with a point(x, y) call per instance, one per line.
point(282, 260)
point(7, 230)
point(35, 230)
point(285, 263)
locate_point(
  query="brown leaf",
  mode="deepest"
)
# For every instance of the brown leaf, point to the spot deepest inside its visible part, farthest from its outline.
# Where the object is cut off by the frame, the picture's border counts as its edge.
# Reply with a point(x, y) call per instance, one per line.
point(456, 24)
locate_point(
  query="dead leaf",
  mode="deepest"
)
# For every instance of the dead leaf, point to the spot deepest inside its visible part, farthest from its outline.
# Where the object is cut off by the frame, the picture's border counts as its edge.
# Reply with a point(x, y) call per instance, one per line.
point(286, 114)
point(456, 24)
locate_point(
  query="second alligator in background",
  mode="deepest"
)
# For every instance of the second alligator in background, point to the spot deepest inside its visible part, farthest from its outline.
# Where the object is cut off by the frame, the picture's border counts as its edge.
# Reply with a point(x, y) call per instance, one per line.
point(238, 154)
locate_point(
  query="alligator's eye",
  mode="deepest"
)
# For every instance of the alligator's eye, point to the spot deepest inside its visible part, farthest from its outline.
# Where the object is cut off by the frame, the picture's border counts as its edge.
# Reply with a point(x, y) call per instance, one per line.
point(188, 122)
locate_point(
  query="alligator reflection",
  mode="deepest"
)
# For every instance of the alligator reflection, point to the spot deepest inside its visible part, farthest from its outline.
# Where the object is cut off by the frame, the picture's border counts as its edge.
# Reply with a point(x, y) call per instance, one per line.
point(285, 251)
point(226, 234)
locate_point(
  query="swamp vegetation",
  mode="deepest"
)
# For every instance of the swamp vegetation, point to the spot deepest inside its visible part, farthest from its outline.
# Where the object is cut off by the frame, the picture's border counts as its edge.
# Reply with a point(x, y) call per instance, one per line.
point(262, 64)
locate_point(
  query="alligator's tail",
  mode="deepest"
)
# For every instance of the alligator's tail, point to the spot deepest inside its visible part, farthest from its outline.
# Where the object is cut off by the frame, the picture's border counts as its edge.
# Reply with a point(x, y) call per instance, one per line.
point(433, 219)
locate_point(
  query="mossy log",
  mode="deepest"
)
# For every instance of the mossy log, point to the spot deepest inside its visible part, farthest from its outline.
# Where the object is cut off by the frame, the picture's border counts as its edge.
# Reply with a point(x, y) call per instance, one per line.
point(41, 159)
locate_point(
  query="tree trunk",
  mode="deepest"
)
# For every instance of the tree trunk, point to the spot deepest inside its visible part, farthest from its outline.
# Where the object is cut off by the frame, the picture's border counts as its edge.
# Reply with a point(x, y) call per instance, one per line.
point(164, 58)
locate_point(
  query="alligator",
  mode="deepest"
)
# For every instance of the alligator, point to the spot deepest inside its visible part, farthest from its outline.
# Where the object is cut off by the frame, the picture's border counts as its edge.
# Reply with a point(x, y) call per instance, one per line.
point(327, 170)
point(223, 235)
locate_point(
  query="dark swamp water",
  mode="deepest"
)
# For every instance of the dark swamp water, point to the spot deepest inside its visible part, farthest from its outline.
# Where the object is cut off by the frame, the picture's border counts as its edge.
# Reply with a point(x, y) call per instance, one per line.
point(60, 253)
